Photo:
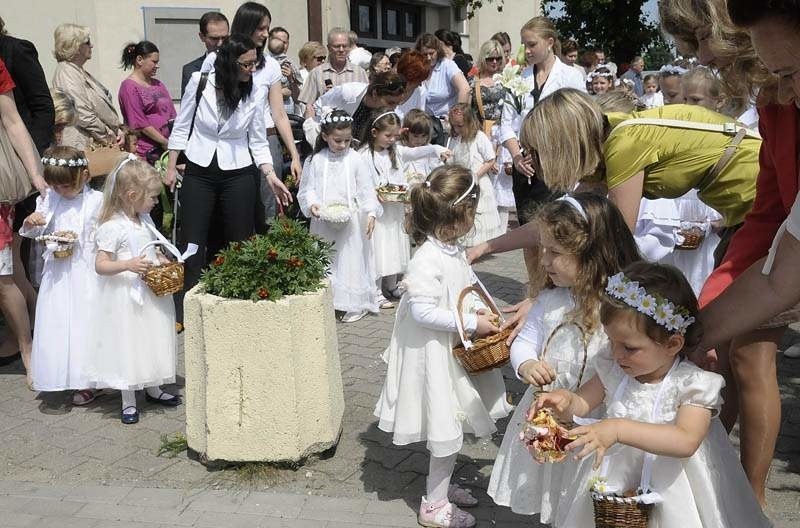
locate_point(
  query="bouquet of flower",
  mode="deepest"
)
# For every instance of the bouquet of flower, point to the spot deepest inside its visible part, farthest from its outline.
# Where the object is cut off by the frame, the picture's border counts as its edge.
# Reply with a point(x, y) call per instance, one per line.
point(545, 438)
point(516, 87)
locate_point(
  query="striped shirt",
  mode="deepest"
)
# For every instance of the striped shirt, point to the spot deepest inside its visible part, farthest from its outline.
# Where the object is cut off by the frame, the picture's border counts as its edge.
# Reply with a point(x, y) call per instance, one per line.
point(315, 84)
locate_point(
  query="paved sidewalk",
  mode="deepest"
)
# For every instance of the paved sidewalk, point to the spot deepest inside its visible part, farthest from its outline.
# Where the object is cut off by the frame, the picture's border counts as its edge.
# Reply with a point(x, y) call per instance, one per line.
point(67, 466)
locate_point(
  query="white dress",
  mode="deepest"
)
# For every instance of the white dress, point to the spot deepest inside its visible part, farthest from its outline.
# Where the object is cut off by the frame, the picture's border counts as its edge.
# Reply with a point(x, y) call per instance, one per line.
point(517, 480)
point(502, 182)
point(134, 330)
point(472, 155)
point(61, 337)
point(390, 243)
point(427, 395)
point(330, 178)
point(706, 490)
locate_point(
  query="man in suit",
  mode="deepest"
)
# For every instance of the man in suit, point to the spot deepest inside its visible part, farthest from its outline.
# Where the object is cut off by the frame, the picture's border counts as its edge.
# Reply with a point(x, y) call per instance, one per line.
point(214, 30)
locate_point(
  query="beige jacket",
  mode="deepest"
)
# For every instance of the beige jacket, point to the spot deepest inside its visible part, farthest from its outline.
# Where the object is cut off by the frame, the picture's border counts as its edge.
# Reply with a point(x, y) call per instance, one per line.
point(97, 118)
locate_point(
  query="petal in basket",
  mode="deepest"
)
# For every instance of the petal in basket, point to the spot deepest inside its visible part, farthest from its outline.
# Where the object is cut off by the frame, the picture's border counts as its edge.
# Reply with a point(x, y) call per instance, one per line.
point(392, 192)
point(164, 279)
point(336, 214)
point(60, 243)
point(545, 438)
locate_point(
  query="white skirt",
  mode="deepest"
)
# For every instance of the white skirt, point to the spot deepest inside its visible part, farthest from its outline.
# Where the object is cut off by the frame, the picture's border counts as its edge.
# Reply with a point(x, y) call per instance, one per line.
point(351, 272)
point(390, 243)
point(487, 219)
point(134, 346)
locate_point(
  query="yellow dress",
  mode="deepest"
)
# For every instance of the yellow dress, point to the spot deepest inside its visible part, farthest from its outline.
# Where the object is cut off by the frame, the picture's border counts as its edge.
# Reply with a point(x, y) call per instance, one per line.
point(676, 160)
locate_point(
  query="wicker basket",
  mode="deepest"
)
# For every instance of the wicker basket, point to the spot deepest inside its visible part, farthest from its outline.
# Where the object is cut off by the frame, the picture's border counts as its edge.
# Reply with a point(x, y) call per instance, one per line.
point(487, 352)
point(390, 194)
point(164, 279)
point(65, 243)
point(614, 511)
point(692, 237)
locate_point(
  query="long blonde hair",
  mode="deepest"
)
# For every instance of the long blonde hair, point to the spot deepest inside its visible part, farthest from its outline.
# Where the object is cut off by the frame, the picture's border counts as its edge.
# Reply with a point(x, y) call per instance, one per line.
point(129, 176)
point(566, 131)
point(544, 27)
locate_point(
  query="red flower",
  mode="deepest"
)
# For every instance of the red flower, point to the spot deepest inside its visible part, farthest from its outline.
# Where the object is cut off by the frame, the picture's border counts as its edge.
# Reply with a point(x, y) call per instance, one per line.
point(296, 262)
point(263, 293)
point(219, 261)
point(237, 246)
point(272, 254)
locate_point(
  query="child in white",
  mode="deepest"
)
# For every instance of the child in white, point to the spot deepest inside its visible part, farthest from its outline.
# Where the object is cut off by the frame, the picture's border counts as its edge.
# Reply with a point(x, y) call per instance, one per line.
point(134, 330)
point(652, 97)
point(473, 150)
point(503, 186)
point(582, 243)
point(335, 178)
point(61, 337)
point(416, 132)
point(428, 396)
point(660, 438)
point(387, 160)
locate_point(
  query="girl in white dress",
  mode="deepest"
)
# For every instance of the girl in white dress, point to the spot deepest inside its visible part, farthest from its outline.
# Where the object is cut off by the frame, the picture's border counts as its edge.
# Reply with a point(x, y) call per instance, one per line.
point(387, 160)
point(69, 284)
point(660, 438)
point(416, 132)
point(473, 149)
point(583, 242)
point(337, 193)
point(134, 345)
point(428, 396)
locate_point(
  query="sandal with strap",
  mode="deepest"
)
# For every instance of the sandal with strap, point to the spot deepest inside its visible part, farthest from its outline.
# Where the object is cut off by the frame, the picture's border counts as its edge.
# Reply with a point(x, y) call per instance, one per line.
point(461, 496)
point(443, 514)
point(164, 398)
point(83, 397)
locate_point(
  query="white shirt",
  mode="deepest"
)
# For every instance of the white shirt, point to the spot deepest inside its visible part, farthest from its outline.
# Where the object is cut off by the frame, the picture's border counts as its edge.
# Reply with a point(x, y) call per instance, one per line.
point(441, 93)
point(232, 141)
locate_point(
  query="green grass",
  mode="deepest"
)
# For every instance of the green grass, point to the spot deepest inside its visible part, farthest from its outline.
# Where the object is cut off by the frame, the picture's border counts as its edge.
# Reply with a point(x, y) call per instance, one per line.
point(172, 447)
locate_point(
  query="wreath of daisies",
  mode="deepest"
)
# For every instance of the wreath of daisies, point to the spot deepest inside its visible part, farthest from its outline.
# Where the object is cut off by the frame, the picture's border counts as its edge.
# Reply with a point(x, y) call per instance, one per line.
point(61, 162)
point(674, 318)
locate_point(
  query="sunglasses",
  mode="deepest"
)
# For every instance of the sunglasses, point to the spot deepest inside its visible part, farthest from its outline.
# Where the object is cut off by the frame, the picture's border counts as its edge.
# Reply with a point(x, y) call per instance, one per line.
point(494, 59)
point(321, 58)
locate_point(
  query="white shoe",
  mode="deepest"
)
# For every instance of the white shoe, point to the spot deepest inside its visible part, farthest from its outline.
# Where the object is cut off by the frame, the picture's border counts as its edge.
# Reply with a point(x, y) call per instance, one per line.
point(443, 514)
point(384, 303)
point(352, 317)
point(793, 352)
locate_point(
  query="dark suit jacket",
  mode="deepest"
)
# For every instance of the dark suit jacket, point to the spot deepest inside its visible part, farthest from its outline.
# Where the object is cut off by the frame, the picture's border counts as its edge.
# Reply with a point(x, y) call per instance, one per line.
point(32, 95)
point(188, 70)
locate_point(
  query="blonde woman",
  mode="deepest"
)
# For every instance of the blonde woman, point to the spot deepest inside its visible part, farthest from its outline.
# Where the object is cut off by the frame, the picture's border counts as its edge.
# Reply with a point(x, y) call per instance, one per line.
point(311, 55)
point(98, 120)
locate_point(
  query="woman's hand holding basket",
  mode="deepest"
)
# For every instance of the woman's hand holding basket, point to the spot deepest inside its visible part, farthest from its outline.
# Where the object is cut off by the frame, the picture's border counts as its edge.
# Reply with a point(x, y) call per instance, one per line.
point(520, 311)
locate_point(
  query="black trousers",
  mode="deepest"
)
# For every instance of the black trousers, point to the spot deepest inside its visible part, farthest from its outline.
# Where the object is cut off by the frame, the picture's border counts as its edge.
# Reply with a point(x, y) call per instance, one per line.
point(529, 196)
point(212, 196)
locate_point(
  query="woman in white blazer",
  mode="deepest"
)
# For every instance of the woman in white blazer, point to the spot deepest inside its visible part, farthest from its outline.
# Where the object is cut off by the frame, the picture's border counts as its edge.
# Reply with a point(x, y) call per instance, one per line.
point(228, 137)
point(544, 75)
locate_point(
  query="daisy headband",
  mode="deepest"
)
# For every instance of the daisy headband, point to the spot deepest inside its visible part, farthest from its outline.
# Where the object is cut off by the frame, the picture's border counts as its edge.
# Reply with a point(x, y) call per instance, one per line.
point(575, 205)
point(669, 69)
point(390, 112)
point(674, 318)
point(605, 74)
point(61, 162)
point(329, 118)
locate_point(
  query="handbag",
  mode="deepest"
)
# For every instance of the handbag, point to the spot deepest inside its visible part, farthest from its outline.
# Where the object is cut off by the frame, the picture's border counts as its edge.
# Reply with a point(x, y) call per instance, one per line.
point(102, 159)
point(15, 185)
point(487, 123)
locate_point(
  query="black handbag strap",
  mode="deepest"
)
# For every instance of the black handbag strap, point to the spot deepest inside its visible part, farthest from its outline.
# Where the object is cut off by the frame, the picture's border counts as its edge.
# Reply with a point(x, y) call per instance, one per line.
point(199, 95)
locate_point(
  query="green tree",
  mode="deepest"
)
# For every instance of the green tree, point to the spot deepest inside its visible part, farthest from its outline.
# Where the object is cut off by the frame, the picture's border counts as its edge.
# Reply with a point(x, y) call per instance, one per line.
point(658, 54)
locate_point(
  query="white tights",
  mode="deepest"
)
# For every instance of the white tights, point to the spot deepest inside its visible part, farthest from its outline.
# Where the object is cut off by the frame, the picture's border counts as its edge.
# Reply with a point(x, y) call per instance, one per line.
point(440, 471)
point(129, 398)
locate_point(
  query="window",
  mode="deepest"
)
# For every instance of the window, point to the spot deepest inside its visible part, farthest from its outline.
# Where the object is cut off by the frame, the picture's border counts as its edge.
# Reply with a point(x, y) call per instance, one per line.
point(363, 18)
point(399, 22)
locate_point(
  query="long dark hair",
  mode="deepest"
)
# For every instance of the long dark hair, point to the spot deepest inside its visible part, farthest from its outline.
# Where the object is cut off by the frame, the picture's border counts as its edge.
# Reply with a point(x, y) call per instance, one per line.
point(246, 21)
point(227, 70)
point(133, 50)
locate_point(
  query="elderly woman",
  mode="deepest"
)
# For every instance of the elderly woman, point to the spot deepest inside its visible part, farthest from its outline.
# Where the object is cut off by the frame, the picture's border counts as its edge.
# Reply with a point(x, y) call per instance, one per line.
point(311, 55)
point(98, 121)
point(446, 85)
point(379, 63)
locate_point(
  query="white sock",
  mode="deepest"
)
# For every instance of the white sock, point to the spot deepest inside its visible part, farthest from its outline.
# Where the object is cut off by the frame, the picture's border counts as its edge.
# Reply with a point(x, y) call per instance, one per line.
point(154, 392)
point(128, 401)
point(440, 470)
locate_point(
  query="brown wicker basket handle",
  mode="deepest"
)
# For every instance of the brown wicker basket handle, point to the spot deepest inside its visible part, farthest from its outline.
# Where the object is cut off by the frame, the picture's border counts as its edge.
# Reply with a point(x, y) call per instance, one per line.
point(463, 295)
point(584, 341)
point(172, 249)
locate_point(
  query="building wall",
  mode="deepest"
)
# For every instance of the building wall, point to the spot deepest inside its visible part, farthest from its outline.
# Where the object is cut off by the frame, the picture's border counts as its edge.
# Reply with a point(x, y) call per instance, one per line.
point(488, 21)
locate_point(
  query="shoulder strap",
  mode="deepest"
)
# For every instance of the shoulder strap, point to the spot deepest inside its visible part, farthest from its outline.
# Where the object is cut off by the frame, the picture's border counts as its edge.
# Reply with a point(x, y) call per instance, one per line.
point(730, 128)
point(201, 86)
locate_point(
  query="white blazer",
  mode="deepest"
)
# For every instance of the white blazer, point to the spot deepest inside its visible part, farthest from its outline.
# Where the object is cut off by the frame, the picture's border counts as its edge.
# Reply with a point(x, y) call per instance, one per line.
point(345, 97)
point(244, 132)
point(561, 76)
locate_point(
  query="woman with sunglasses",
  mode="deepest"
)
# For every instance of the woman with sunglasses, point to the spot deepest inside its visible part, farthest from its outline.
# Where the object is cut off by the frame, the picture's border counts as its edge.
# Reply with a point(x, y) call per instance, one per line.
point(311, 55)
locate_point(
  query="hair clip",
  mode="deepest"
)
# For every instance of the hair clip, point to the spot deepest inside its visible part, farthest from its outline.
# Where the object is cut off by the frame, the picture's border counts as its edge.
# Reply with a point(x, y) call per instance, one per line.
point(428, 184)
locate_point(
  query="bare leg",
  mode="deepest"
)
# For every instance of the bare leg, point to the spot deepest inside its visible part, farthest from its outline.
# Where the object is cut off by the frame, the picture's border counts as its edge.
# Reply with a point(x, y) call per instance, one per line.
point(13, 305)
point(21, 280)
point(730, 393)
point(753, 366)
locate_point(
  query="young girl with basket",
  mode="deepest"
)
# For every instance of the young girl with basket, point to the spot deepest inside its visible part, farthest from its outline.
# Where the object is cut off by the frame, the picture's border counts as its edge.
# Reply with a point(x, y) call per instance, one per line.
point(337, 193)
point(584, 240)
point(661, 455)
point(416, 132)
point(134, 345)
point(64, 222)
point(427, 395)
point(387, 159)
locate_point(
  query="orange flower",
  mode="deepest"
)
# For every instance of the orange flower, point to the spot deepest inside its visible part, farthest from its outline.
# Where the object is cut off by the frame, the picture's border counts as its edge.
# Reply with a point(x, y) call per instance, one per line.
point(272, 254)
point(219, 261)
point(263, 293)
point(296, 262)
point(237, 246)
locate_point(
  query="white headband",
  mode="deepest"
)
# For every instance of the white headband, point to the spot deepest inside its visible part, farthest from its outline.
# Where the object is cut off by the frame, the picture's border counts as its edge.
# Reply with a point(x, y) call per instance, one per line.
point(330, 118)
point(61, 162)
point(575, 205)
point(465, 195)
point(595, 73)
point(112, 178)
point(390, 112)
point(669, 69)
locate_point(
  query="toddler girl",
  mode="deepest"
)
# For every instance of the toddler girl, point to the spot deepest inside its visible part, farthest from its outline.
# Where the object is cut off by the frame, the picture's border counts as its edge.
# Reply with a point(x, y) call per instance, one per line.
point(61, 337)
point(337, 193)
point(427, 395)
point(660, 437)
point(702, 87)
point(474, 150)
point(416, 132)
point(387, 160)
point(583, 242)
point(670, 81)
point(134, 330)
point(652, 97)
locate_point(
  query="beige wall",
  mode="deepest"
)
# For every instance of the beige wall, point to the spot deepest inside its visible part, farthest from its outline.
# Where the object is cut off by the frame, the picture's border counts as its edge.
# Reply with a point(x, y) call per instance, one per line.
point(488, 21)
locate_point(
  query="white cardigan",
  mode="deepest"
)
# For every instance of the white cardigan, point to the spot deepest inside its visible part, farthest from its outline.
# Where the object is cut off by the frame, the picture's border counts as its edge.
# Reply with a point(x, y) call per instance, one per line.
point(244, 132)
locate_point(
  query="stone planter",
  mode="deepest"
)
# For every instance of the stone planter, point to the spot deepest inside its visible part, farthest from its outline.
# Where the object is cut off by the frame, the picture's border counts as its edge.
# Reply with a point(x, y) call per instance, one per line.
point(263, 379)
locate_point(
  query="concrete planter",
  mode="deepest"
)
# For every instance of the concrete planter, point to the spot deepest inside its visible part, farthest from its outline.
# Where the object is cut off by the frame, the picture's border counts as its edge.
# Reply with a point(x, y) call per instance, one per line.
point(263, 379)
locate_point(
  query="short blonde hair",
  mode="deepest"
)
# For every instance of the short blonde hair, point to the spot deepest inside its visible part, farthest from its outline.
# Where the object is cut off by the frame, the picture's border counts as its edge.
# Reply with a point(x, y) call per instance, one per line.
point(565, 158)
point(68, 38)
point(65, 107)
point(488, 47)
point(308, 51)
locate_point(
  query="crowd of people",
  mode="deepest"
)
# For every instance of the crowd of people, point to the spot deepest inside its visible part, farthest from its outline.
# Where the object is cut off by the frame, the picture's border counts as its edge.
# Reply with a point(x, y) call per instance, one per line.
point(650, 206)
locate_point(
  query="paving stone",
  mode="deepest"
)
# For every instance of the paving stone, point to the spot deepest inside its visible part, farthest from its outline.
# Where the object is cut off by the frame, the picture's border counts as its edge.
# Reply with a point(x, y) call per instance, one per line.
point(273, 504)
point(228, 520)
point(133, 513)
point(145, 462)
point(97, 493)
point(12, 519)
point(216, 501)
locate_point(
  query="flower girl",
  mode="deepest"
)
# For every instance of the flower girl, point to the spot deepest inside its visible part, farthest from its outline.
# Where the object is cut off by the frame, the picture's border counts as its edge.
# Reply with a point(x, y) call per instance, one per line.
point(69, 283)
point(337, 193)
point(134, 330)
point(583, 242)
point(427, 395)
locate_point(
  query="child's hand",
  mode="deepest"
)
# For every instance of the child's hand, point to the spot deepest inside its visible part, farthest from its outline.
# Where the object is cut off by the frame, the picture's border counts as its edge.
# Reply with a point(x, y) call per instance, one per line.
point(487, 323)
point(34, 220)
point(445, 155)
point(559, 400)
point(535, 372)
point(138, 265)
point(315, 210)
point(370, 226)
point(598, 437)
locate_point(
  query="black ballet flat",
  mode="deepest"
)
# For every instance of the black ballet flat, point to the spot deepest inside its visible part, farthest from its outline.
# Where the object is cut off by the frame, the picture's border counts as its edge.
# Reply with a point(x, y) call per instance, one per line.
point(129, 419)
point(172, 401)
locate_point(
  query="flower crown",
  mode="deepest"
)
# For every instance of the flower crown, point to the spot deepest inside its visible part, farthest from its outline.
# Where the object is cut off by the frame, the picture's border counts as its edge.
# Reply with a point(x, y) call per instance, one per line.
point(595, 73)
point(674, 318)
point(61, 162)
point(330, 118)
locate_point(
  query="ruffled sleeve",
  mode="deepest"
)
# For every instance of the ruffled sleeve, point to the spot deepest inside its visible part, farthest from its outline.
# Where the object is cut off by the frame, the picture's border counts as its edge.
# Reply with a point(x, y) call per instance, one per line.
point(702, 389)
point(109, 237)
point(424, 276)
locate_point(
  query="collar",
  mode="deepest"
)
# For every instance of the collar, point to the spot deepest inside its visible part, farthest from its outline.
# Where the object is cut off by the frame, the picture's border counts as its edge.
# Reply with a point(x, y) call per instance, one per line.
point(445, 248)
point(326, 66)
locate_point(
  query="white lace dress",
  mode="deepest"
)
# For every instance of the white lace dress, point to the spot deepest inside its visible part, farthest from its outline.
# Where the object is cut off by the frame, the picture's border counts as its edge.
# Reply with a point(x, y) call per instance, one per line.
point(427, 395)
point(344, 179)
point(134, 340)
point(517, 480)
point(62, 335)
point(707, 490)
